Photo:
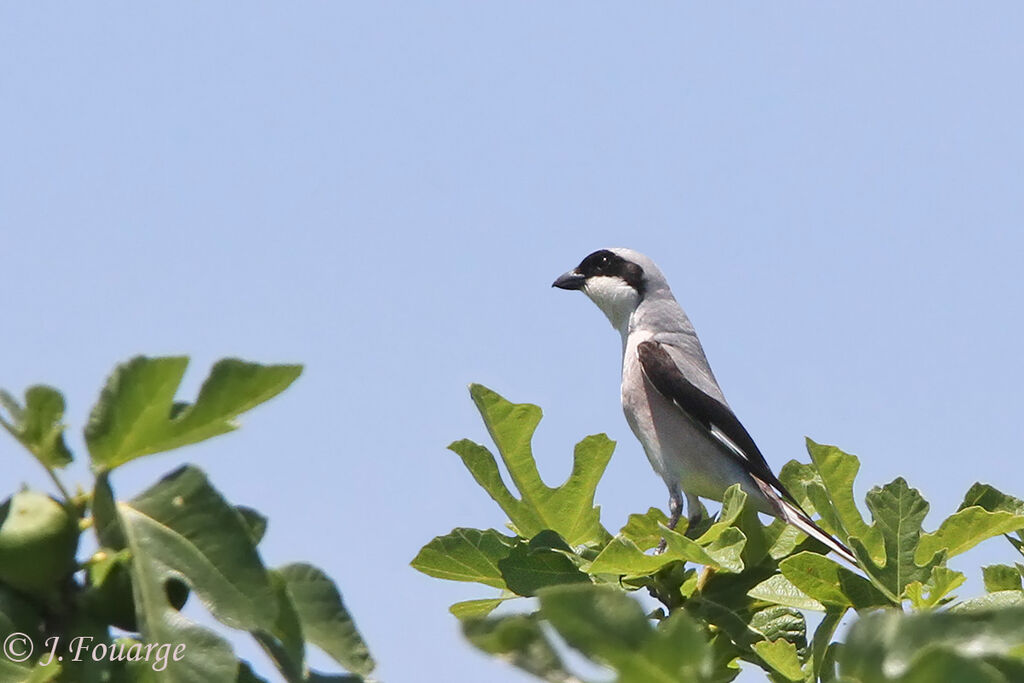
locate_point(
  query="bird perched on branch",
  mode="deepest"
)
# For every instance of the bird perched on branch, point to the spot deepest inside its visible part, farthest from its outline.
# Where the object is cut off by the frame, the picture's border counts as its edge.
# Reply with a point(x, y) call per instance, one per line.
point(671, 399)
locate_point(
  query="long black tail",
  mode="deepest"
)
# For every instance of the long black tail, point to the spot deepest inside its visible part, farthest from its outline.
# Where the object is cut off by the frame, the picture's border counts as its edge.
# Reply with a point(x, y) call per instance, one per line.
point(798, 518)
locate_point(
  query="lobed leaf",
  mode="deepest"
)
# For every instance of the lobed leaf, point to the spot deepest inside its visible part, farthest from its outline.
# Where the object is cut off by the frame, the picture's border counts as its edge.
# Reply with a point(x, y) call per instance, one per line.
point(644, 530)
point(568, 509)
point(942, 581)
point(837, 471)
point(38, 425)
point(136, 414)
point(781, 656)
point(898, 512)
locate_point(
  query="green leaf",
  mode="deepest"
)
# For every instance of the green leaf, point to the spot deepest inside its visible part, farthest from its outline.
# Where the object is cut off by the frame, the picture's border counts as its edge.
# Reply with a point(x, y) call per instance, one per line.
point(822, 664)
point(317, 677)
point(1012, 598)
point(136, 414)
point(725, 659)
point(829, 583)
point(466, 555)
point(18, 615)
point(644, 531)
point(108, 596)
point(965, 529)
point(898, 512)
point(837, 471)
point(775, 621)
point(721, 546)
point(893, 646)
point(779, 590)
point(105, 521)
point(13, 671)
point(518, 640)
point(781, 656)
point(95, 636)
point(724, 553)
point(254, 521)
point(182, 526)
point(610, 628)
point(247, 675)
point(38, 425)
point(733, 502)
point(209, 657)
point(40, 673)
point(942, 581)
point(325, 621)
point(568, 509)
point(950, 667)
point(992, 499)
point(528, 568)
point(1001, 577)
point(782, 539)
point(621, 557)
point(724, 602)
point(475, 609)
point(285, 643)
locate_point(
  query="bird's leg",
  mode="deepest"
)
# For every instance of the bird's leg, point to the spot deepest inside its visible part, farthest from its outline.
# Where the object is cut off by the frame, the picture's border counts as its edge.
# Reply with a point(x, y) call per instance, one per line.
point(675, 509)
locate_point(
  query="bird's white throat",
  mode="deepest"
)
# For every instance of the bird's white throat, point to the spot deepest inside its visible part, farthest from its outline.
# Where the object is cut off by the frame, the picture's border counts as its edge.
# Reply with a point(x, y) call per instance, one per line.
point(616, 299)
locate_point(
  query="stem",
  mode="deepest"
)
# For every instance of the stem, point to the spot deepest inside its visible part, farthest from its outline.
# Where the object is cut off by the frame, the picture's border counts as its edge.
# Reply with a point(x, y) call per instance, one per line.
point(60, 486)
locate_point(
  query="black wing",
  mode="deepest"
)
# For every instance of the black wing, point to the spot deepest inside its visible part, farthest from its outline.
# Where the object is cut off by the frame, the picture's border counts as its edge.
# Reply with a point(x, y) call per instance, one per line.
point(664, 374)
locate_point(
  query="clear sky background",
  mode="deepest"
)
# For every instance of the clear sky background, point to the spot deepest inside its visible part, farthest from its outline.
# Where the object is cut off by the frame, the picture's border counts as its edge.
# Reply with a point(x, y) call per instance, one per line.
point(385, 191)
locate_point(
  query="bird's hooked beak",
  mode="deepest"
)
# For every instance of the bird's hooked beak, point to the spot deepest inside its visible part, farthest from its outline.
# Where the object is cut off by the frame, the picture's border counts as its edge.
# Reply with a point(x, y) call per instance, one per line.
point(570, 280)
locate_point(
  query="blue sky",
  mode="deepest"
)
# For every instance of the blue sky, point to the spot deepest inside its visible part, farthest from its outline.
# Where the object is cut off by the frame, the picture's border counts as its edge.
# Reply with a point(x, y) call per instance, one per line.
point(385, 191)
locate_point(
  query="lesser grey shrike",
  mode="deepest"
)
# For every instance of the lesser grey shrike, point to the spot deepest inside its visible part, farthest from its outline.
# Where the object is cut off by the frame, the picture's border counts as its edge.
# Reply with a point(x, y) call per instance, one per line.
point(671, 399)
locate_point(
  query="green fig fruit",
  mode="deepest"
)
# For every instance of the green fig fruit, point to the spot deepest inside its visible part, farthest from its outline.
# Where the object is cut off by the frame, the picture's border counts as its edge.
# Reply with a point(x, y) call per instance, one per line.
point(38, 541)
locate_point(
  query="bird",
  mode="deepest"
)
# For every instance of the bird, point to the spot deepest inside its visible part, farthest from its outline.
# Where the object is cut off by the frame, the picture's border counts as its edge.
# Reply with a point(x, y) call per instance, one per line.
point(673, 402)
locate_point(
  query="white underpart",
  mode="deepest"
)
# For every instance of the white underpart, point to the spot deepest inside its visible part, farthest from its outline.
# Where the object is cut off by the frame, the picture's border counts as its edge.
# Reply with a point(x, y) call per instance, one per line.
point(616, 299)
